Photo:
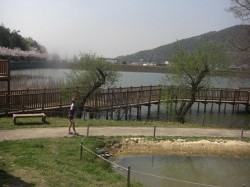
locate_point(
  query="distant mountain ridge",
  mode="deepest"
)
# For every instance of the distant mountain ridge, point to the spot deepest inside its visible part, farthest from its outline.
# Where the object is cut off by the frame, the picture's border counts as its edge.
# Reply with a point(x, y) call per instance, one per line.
point(227, 36)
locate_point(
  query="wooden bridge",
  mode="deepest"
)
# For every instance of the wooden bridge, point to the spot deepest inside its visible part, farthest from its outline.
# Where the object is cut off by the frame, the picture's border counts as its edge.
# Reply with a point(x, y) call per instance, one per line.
point(116, 99)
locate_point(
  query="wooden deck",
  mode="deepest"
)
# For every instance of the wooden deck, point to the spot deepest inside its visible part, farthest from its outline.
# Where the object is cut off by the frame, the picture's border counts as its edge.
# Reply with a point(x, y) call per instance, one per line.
point(108, 100)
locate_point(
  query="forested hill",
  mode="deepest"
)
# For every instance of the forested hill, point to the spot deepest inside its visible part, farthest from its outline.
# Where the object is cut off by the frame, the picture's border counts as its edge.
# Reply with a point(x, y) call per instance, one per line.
point(236, 38)
point(13, 40)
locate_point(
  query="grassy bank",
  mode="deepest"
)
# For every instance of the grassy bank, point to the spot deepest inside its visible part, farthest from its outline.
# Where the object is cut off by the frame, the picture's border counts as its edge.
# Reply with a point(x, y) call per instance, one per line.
point(55, 162)
point(7, 123)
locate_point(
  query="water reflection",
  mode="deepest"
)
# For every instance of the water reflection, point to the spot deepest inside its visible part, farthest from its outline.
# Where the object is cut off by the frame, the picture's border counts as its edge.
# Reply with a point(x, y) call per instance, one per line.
point(187, 171)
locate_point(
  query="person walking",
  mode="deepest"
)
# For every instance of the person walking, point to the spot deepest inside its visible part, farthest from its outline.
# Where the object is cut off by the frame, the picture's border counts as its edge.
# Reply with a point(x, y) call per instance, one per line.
point(71, 117)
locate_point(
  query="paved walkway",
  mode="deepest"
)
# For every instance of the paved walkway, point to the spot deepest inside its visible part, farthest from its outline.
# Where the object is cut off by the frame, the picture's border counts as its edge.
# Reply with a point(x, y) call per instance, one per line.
point(119, 131)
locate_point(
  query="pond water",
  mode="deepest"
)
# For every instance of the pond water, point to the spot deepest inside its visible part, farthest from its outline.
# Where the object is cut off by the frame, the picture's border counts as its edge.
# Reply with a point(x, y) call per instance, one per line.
point(186, 171)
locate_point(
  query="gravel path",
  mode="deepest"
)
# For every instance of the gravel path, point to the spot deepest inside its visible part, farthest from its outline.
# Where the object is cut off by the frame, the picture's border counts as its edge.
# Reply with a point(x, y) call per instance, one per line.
point(31, 133)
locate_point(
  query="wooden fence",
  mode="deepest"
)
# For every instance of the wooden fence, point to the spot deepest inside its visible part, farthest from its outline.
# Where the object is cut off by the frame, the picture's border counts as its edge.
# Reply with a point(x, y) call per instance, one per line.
point(111, 99)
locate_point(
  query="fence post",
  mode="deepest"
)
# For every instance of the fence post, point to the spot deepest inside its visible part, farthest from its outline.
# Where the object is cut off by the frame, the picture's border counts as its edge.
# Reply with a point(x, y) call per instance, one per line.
point(242, 134)
point(88, 130)
point(81, 150)
point(154, 131)
point(60, 99)
point(128, 179)
point(43, 99)
point(23, 102)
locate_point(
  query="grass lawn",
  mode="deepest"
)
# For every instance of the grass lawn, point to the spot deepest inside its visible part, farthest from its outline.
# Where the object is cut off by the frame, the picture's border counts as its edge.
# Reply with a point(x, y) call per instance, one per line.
point(7, 123)
point(56, 162)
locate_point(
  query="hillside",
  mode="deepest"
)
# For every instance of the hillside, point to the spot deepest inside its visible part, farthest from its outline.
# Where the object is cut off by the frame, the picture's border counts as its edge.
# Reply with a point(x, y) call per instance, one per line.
point(236, 38)
point(13, 46)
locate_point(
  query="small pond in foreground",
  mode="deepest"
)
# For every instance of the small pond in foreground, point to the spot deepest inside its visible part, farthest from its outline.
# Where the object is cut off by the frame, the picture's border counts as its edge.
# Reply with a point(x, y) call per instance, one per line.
point(187, 171)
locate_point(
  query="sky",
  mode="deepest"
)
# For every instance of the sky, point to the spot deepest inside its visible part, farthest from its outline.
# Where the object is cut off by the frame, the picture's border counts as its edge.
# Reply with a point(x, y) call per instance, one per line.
point(112, 28)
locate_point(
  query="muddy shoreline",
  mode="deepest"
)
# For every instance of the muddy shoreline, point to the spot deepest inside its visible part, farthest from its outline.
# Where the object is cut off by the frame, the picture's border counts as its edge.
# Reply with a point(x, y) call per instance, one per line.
point(181, 147)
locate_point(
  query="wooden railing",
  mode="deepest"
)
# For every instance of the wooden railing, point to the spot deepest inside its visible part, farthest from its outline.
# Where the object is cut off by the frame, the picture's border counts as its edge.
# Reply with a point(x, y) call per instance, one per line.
point(105, 99)
point(4, 68)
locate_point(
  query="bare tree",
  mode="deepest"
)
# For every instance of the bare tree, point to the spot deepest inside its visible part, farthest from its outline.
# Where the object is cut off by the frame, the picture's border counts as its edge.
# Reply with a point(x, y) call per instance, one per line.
point(240, 9)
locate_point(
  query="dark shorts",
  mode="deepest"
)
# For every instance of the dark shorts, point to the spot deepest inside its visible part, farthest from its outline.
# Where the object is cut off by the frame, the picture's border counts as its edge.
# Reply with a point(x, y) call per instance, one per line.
point(71, 118)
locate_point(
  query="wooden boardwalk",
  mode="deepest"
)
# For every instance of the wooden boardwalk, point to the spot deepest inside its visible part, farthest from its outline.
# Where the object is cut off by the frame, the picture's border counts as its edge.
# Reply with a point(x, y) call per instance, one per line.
point(110, 100)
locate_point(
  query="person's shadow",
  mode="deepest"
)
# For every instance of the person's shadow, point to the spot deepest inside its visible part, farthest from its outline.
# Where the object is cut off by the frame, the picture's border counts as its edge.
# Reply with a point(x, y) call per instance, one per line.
point(10, 180)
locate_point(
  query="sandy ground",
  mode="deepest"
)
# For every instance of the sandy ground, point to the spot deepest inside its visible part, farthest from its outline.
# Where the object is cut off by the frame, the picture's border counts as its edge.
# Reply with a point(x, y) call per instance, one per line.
point(219, 147)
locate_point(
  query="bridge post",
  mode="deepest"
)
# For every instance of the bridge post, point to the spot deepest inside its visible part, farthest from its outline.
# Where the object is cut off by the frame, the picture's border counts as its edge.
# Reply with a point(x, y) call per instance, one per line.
point(95, 107)
point(149, 102)
point(126, 109)
point(112, 105)
point(220, 101)
point(248, 102)
point(159, 103)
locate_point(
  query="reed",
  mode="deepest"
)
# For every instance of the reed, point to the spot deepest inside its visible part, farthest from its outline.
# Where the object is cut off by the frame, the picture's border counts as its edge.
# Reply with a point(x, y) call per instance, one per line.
point(22, 82)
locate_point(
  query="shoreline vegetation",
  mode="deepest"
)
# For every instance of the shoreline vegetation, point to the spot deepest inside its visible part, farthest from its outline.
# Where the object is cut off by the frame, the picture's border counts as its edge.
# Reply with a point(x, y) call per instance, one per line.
point(181, 146)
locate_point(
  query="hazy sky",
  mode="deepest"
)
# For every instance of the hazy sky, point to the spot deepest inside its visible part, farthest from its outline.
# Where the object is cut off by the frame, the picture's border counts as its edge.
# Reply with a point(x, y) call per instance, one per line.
point(113, 27)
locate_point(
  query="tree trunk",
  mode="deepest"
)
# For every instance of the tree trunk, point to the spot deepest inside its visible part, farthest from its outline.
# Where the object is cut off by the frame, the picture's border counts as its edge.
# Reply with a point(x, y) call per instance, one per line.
point(99, 82)
point(185, 106)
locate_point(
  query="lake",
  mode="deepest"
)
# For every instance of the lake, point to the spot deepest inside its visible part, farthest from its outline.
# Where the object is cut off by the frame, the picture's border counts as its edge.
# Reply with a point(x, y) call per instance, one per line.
point(186, 171)
point(128, 79)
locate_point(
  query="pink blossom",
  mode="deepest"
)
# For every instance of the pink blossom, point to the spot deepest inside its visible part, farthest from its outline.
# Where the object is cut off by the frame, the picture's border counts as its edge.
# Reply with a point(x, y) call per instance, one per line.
point(17, 52)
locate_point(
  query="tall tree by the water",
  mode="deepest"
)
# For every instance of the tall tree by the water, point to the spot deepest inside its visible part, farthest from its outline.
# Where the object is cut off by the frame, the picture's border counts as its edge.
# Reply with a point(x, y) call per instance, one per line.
point(193, 69)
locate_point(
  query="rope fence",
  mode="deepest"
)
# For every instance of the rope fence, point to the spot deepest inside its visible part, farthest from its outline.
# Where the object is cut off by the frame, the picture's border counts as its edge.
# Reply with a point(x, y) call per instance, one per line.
point(129, 170)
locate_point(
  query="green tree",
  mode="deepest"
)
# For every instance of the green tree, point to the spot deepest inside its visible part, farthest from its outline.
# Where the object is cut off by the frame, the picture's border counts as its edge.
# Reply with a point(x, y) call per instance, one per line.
point(91, 73)
point(193, 69)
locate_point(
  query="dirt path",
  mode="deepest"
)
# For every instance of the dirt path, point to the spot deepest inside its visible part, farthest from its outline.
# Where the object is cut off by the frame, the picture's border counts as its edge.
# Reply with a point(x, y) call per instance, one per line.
point(135, 145)
point(119, 131)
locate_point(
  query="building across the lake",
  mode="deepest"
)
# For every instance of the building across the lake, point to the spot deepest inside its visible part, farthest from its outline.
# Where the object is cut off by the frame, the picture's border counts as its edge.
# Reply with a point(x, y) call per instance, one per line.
point(110, 60)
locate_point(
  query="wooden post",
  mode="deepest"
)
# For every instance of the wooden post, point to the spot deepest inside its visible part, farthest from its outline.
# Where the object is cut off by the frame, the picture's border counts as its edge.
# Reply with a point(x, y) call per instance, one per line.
point(112, 105)
point(212, 105)
point(88, 130)
point(159, 104)
point(220, 101)
point(7, 103)
point(149, 109)
point(128, 179)
point(81, 150)
point(60, 99)
point(225, 107)
point(126, 109)
point(43, 99)
point(248, 102)
point(149, 102)
point(95, 107)
point(242, 134)
point(233, 107)
point(138, 115)
point(198, 108)
point(130, 113)
point(23, 101)
point(107, 114)
point(154, 131)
